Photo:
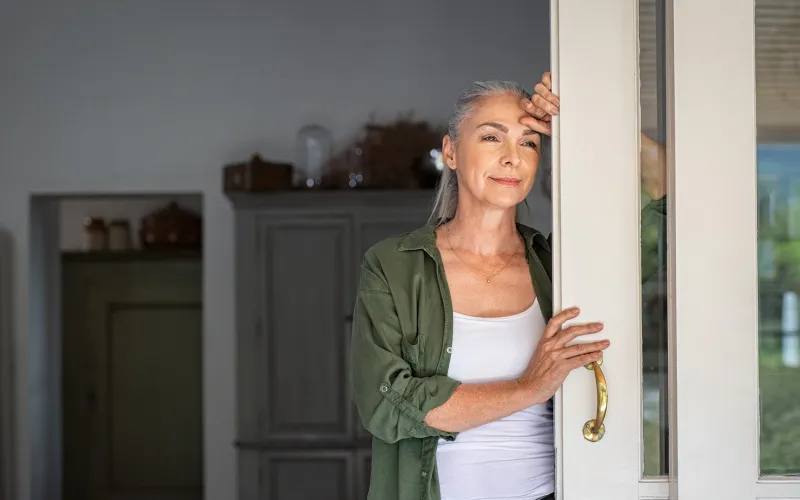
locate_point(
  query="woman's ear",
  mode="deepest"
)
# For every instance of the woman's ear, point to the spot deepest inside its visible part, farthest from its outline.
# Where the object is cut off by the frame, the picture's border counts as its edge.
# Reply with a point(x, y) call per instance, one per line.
point(449, 152)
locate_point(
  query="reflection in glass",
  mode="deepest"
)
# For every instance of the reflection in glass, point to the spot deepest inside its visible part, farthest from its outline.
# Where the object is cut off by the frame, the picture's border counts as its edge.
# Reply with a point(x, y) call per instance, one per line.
point(778, 113)
point(653, 237)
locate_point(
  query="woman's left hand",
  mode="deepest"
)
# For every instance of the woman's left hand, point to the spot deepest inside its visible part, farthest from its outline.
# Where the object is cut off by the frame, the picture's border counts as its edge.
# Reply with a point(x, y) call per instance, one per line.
point(542, 107)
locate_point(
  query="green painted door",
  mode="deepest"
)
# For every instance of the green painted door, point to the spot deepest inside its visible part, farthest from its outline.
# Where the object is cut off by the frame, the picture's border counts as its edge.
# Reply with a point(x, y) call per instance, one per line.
point(132, 385)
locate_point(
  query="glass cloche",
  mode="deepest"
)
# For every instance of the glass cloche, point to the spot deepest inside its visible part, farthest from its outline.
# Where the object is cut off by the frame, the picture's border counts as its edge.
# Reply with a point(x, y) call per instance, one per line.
point(313, 147)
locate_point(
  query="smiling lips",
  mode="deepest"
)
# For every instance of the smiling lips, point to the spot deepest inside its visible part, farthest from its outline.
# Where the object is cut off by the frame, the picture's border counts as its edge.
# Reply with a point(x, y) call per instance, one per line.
point(506, 181)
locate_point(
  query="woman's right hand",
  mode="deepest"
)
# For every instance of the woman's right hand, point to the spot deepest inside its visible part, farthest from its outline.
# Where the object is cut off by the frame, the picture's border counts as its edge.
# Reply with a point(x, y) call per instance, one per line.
point(553, 359)
point(541, 107)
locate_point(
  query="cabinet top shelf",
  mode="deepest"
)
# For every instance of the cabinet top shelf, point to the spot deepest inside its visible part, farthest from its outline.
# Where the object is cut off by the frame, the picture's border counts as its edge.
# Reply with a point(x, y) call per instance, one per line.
point(129, 255)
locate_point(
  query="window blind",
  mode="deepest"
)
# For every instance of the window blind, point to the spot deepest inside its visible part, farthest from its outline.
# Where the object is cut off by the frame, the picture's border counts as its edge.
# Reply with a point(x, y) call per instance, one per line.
point(777, 64)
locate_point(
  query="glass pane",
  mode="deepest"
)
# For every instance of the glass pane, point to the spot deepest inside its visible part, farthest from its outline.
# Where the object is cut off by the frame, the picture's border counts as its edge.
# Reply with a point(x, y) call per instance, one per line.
point(778, 113)
point(654, 237)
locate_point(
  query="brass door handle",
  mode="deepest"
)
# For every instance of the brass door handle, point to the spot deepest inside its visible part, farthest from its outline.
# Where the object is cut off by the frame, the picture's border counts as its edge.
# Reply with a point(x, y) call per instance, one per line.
point(594, 430)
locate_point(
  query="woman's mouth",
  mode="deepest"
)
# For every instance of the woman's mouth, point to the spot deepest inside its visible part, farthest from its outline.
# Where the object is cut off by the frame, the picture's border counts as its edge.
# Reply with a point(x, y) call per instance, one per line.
point(506, 181)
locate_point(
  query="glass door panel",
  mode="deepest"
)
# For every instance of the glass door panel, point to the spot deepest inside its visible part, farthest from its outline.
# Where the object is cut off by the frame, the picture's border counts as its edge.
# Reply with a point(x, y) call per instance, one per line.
point(654, 264)
point(777, 55)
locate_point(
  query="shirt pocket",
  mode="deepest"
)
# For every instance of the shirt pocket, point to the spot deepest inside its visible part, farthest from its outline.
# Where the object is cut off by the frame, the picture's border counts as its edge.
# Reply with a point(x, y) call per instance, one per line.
point(412, 353)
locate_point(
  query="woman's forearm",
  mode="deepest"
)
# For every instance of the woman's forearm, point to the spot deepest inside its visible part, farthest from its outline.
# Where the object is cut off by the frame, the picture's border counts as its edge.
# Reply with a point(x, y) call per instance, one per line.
point(472, 405)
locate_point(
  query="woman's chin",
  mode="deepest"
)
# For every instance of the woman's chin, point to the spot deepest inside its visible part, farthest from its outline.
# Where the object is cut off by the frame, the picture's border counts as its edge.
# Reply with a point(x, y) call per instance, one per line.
point(506, 200)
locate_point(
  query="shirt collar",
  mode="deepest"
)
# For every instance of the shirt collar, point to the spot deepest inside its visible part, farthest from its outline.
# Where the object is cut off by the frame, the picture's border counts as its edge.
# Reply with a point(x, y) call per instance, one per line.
point(424, 238)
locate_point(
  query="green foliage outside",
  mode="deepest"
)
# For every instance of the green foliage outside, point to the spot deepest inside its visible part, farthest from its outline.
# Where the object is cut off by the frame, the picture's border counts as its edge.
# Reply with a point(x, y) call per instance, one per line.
point(779, 385)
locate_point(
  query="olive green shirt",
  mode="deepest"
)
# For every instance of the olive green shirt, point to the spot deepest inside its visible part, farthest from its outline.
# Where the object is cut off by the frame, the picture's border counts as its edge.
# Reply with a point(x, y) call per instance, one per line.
point(400, 354)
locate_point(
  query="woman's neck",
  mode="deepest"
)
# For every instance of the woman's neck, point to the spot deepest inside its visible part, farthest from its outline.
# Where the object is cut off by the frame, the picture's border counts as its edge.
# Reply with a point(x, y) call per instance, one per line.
point(484, 233)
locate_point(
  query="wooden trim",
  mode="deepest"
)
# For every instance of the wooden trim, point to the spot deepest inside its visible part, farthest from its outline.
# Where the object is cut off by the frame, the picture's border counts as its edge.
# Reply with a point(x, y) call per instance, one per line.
point(129, 255)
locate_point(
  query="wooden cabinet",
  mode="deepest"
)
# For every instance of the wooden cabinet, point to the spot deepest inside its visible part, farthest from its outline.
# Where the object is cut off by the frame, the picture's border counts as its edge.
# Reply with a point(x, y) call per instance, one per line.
point(297, 260)
point(132, 384)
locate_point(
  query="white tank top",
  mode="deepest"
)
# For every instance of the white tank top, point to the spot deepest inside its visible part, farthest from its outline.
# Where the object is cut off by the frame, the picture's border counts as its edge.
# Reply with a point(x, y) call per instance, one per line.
point(511, 458)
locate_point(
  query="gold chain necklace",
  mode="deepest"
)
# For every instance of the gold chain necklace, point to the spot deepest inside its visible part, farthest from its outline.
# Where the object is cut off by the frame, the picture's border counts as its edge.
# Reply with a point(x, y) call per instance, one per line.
point(474, 269)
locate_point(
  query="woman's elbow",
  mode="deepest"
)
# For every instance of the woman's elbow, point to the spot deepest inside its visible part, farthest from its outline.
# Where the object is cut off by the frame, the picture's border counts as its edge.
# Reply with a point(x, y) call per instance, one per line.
point(374, 420)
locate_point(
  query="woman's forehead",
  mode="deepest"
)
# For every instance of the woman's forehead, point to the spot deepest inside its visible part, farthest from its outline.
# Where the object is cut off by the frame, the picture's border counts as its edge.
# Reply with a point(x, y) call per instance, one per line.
point(500, 106)
point(503, 110)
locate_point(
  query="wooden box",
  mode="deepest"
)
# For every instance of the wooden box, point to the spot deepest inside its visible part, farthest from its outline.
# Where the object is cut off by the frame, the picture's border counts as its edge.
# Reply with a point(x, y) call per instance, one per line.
point(257, 175)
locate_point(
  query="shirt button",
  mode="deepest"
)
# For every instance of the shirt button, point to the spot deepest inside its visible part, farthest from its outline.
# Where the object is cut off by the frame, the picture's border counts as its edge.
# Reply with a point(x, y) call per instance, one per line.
point(424, 473)
point(384, 388)
point(449, 349)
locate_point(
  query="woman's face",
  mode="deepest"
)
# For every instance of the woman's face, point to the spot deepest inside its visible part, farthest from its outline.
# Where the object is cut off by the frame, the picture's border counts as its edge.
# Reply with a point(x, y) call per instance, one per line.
point(496, 156)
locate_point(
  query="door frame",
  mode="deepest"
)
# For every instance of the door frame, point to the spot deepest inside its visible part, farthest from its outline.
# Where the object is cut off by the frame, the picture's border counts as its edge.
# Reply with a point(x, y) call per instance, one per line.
point(598, 144)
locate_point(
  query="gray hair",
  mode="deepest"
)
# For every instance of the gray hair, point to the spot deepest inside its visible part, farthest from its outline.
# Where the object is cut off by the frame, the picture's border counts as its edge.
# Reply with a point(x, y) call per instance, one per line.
point(446, 199)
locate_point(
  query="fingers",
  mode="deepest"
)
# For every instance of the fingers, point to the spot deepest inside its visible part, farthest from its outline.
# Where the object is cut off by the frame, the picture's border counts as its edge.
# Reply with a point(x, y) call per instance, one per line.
point(543, 127)
point(569, 334)
point(535, 111)
point(587, 348)
point(546, 80)
point(546, 106)
point(543, 90)
point(541, 107)
point(538, 107)
point(557, 321)
point(584, 359)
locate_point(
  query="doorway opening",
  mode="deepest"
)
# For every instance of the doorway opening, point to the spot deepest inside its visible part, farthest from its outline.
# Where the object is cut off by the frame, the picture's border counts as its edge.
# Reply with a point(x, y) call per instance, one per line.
point(116, 347)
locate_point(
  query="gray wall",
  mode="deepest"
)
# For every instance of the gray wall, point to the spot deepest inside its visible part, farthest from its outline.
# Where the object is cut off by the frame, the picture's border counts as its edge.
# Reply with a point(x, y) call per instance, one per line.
point(153, 97)
point(44, 349)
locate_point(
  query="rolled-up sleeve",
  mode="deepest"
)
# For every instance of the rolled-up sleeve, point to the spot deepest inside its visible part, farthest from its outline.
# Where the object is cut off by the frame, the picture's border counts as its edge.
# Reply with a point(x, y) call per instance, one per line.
point(391, 402)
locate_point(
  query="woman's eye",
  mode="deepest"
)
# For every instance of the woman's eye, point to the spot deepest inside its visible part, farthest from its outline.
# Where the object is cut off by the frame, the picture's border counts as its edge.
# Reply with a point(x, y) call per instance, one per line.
point(490, 138)
point(530, 144)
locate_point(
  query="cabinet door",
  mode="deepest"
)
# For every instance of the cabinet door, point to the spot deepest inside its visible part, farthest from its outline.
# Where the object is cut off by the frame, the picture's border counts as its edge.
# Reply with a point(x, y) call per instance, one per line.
point(132, 380)
point(307, 475)
point(304, 271)
point(363, 469)
point(298, 275)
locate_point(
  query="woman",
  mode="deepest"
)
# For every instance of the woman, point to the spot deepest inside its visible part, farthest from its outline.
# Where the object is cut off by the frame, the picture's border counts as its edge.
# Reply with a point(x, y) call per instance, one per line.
point(455, 352)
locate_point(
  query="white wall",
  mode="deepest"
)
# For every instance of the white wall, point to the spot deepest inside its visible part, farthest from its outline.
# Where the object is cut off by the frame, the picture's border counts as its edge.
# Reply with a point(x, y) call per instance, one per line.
point(153, 97)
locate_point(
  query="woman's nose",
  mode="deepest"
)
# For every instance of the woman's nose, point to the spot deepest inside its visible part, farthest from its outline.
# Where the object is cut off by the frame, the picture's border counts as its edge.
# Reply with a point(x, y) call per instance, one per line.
point(510, 156)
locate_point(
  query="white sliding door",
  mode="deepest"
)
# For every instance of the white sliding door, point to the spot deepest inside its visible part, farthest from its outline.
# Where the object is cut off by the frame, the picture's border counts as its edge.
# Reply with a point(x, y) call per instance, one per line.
point(700, 292)
point(737, 247)
point(606, 248)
